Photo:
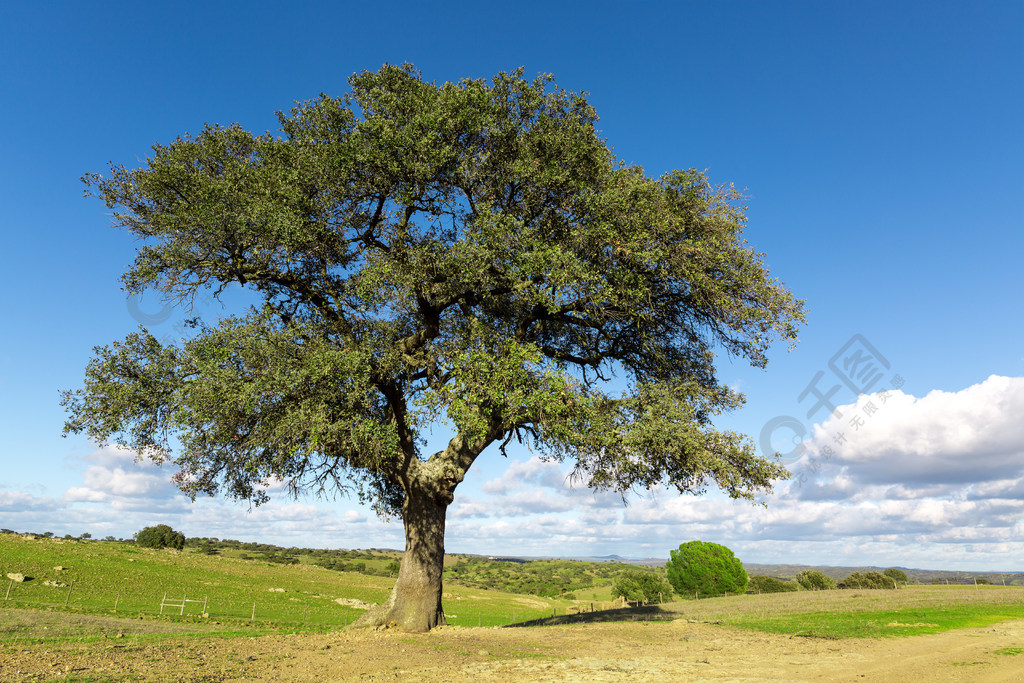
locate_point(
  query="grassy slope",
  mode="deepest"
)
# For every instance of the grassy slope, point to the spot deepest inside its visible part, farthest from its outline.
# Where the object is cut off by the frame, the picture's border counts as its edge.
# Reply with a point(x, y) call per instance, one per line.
point(100, 574)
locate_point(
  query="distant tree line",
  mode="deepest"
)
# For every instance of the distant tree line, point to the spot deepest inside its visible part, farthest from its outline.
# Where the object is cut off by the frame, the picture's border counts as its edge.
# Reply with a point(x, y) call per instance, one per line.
point(812, 579)
point(544, 578)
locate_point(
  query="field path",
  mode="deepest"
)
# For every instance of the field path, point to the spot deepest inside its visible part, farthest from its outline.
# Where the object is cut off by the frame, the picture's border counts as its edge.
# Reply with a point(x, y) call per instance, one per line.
point(676, 651)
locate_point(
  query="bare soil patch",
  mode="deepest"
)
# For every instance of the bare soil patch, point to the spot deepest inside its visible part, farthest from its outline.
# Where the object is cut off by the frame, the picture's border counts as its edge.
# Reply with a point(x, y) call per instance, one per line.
point(656, 651)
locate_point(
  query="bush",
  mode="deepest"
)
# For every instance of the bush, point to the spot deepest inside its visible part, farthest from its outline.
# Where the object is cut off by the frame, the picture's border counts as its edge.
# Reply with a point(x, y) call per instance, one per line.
point(770, 584)
point(640, 586)
point(897, 575)
point(280, 558)
point(160, 536)
point(813, 580)
point(706, 569)
point(867, 580)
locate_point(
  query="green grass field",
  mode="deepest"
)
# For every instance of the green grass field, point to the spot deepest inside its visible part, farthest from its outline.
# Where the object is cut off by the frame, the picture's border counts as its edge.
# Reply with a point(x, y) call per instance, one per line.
point(913, 610)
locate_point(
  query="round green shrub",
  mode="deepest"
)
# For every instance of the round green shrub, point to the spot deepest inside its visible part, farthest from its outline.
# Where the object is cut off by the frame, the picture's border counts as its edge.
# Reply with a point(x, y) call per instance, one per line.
point(704, 568)
point(160, 536)
point(814, 580)
point(639, 586)
point(898, 575)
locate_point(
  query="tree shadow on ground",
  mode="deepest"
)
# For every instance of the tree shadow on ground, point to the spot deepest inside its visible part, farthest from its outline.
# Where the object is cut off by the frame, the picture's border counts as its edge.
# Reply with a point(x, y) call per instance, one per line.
point(640, 613)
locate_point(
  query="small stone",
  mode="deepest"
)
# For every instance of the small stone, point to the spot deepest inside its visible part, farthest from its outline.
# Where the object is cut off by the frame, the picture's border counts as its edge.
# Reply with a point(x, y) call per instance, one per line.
point(484, 653)
point(15, 577)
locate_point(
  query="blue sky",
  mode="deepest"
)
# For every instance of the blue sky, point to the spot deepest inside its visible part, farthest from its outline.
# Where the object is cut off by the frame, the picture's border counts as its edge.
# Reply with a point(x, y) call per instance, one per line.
point(881, 146)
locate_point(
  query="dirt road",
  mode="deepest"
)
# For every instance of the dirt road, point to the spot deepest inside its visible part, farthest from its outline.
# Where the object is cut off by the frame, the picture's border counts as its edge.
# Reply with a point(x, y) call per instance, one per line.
point(676, 651)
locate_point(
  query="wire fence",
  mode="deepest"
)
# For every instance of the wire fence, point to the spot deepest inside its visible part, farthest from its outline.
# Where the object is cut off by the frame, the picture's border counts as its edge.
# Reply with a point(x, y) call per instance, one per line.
point(277, 608)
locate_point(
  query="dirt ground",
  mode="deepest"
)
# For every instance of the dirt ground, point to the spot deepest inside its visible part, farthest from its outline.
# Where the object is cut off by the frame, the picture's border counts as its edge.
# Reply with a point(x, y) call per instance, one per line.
point(676, 651)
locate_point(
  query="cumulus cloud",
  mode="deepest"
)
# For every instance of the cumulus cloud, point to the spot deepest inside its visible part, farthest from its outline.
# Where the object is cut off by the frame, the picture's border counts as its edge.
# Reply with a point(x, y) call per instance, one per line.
point(18, 501)
point(82, 494)
point(942, 439)
point(531, 487)
point(533, 472)
point(890, 479)
point(116, 477)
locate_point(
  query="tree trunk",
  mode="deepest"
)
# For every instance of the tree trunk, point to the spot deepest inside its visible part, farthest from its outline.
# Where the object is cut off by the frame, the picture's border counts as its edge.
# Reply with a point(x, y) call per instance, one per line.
point(415, 601)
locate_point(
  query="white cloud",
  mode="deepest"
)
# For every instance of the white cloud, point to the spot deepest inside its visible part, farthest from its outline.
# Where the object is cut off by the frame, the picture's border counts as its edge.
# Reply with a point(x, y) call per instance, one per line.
point(81, 494)
point(945, 438)
point(535, 471)
point(113, 455)
point(531, 487)
point(118, 481)
point(18, 501)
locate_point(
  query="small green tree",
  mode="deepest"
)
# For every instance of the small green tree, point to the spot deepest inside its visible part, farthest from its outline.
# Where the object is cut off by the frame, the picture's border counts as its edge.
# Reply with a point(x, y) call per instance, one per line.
point(706, 568)
point(207, 548)
point(640, 586)
point(770, 584)
point(160, 536)
point(814, 580)
point(897, 575)
point(867, 580)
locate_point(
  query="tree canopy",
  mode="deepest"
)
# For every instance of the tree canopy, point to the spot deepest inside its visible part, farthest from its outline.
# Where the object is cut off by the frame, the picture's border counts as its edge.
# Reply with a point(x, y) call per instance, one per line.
point(636, 585)
point(814, 580)
point(897, 575)
point(705, 568)
point(468, 255)
point(160, 536)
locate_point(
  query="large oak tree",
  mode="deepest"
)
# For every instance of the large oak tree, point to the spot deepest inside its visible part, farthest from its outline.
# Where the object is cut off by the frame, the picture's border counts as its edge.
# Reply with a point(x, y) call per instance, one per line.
point(469, 256)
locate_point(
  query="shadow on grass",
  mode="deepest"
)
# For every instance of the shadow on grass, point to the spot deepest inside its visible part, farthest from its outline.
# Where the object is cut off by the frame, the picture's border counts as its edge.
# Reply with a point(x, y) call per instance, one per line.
point(642, 613)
